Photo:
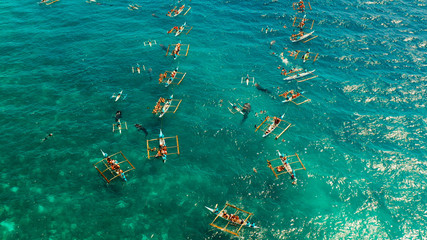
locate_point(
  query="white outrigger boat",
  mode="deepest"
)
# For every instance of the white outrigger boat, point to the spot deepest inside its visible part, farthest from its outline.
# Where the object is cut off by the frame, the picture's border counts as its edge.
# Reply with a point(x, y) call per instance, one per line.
point(165, 108)
point(299, 75)
point(273, 126)
point(221, 214)
point(236, 108)
point(299, 38)
point(180, 29)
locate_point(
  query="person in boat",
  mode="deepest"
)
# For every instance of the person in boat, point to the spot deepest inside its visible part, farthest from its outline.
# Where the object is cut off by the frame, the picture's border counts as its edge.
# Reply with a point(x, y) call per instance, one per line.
point(173, 29)
point(180, 29)
point(173, 74)
point(305, 56)
point(170, 12)
point(294, 182)
point(175, 52)
point(280, 168)
point(161, 76)
point(112, 162)
point(302, 24)
point(292, 95)
point(118, 116)
point(224, 214)
point(301, 6)
point(284, 72)
point(158, 105)
point(276, 120)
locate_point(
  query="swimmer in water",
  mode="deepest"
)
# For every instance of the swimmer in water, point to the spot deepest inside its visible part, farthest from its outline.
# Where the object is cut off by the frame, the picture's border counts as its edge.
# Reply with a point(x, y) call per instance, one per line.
point(103, 153)
point(48, 136)
point(118, 116)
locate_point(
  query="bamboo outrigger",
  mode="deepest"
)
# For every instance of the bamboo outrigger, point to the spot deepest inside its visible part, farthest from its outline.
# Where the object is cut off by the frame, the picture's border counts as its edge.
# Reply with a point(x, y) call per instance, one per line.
point(302, 23)
point(177, 50)
point(283, 165)
point(236, 108)
point(165, 106)
point(299, 75)
point(171, 77)
point(180, 29)
point(175, 12)
point(118, 126)
point(109, 172)
point(274, 123)
point(291, 96)
point(247, 80)
point(150, 43)
point(300, 7)
point(306, 56)
point(165, 141)
point(48, 2)
point(230, 223)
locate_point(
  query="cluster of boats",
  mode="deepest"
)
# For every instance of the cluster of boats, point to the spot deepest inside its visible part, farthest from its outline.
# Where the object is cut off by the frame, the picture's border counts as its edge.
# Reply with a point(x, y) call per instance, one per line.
point(240, 218)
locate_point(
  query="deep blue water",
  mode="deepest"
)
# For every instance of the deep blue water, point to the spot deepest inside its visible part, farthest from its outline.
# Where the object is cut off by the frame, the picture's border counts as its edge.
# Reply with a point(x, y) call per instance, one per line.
point(362, 137)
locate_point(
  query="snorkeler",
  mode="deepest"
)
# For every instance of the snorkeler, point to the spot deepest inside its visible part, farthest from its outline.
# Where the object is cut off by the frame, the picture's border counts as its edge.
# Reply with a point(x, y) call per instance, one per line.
point(103, 153)
point(118, 116)
point(48, 136)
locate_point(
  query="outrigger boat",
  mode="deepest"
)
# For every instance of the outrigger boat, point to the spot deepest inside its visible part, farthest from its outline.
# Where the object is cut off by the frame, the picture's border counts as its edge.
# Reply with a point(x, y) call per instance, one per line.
point(110, 169)
point(297, 75)
point(296, 38)
point(247, 80)
point(118, 126)
point(180, 29)
point(236, 108)
point(285, 166)
point(173, 75)
point(150, 43)
point(293, 96)
point(215, 211)
point(234, 222)
point(302, 23)
point(175, 12)
point(162, 151)
point(273, 125)
point(306, 56)
point(166, 107)
point(299, 6)
point(177, 49)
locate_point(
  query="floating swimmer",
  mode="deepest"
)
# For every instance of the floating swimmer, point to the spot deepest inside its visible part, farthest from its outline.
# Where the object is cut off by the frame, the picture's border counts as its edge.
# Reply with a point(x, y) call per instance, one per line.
point(117, 96)
point(47, 137)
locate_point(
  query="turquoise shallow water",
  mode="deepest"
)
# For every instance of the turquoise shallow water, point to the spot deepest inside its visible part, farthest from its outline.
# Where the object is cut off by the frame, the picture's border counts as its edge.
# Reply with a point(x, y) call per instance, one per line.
point(362, 137)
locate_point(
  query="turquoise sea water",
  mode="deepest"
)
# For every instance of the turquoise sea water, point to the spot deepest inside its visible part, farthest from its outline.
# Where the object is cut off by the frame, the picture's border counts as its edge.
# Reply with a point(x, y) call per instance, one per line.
point(362, 137)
